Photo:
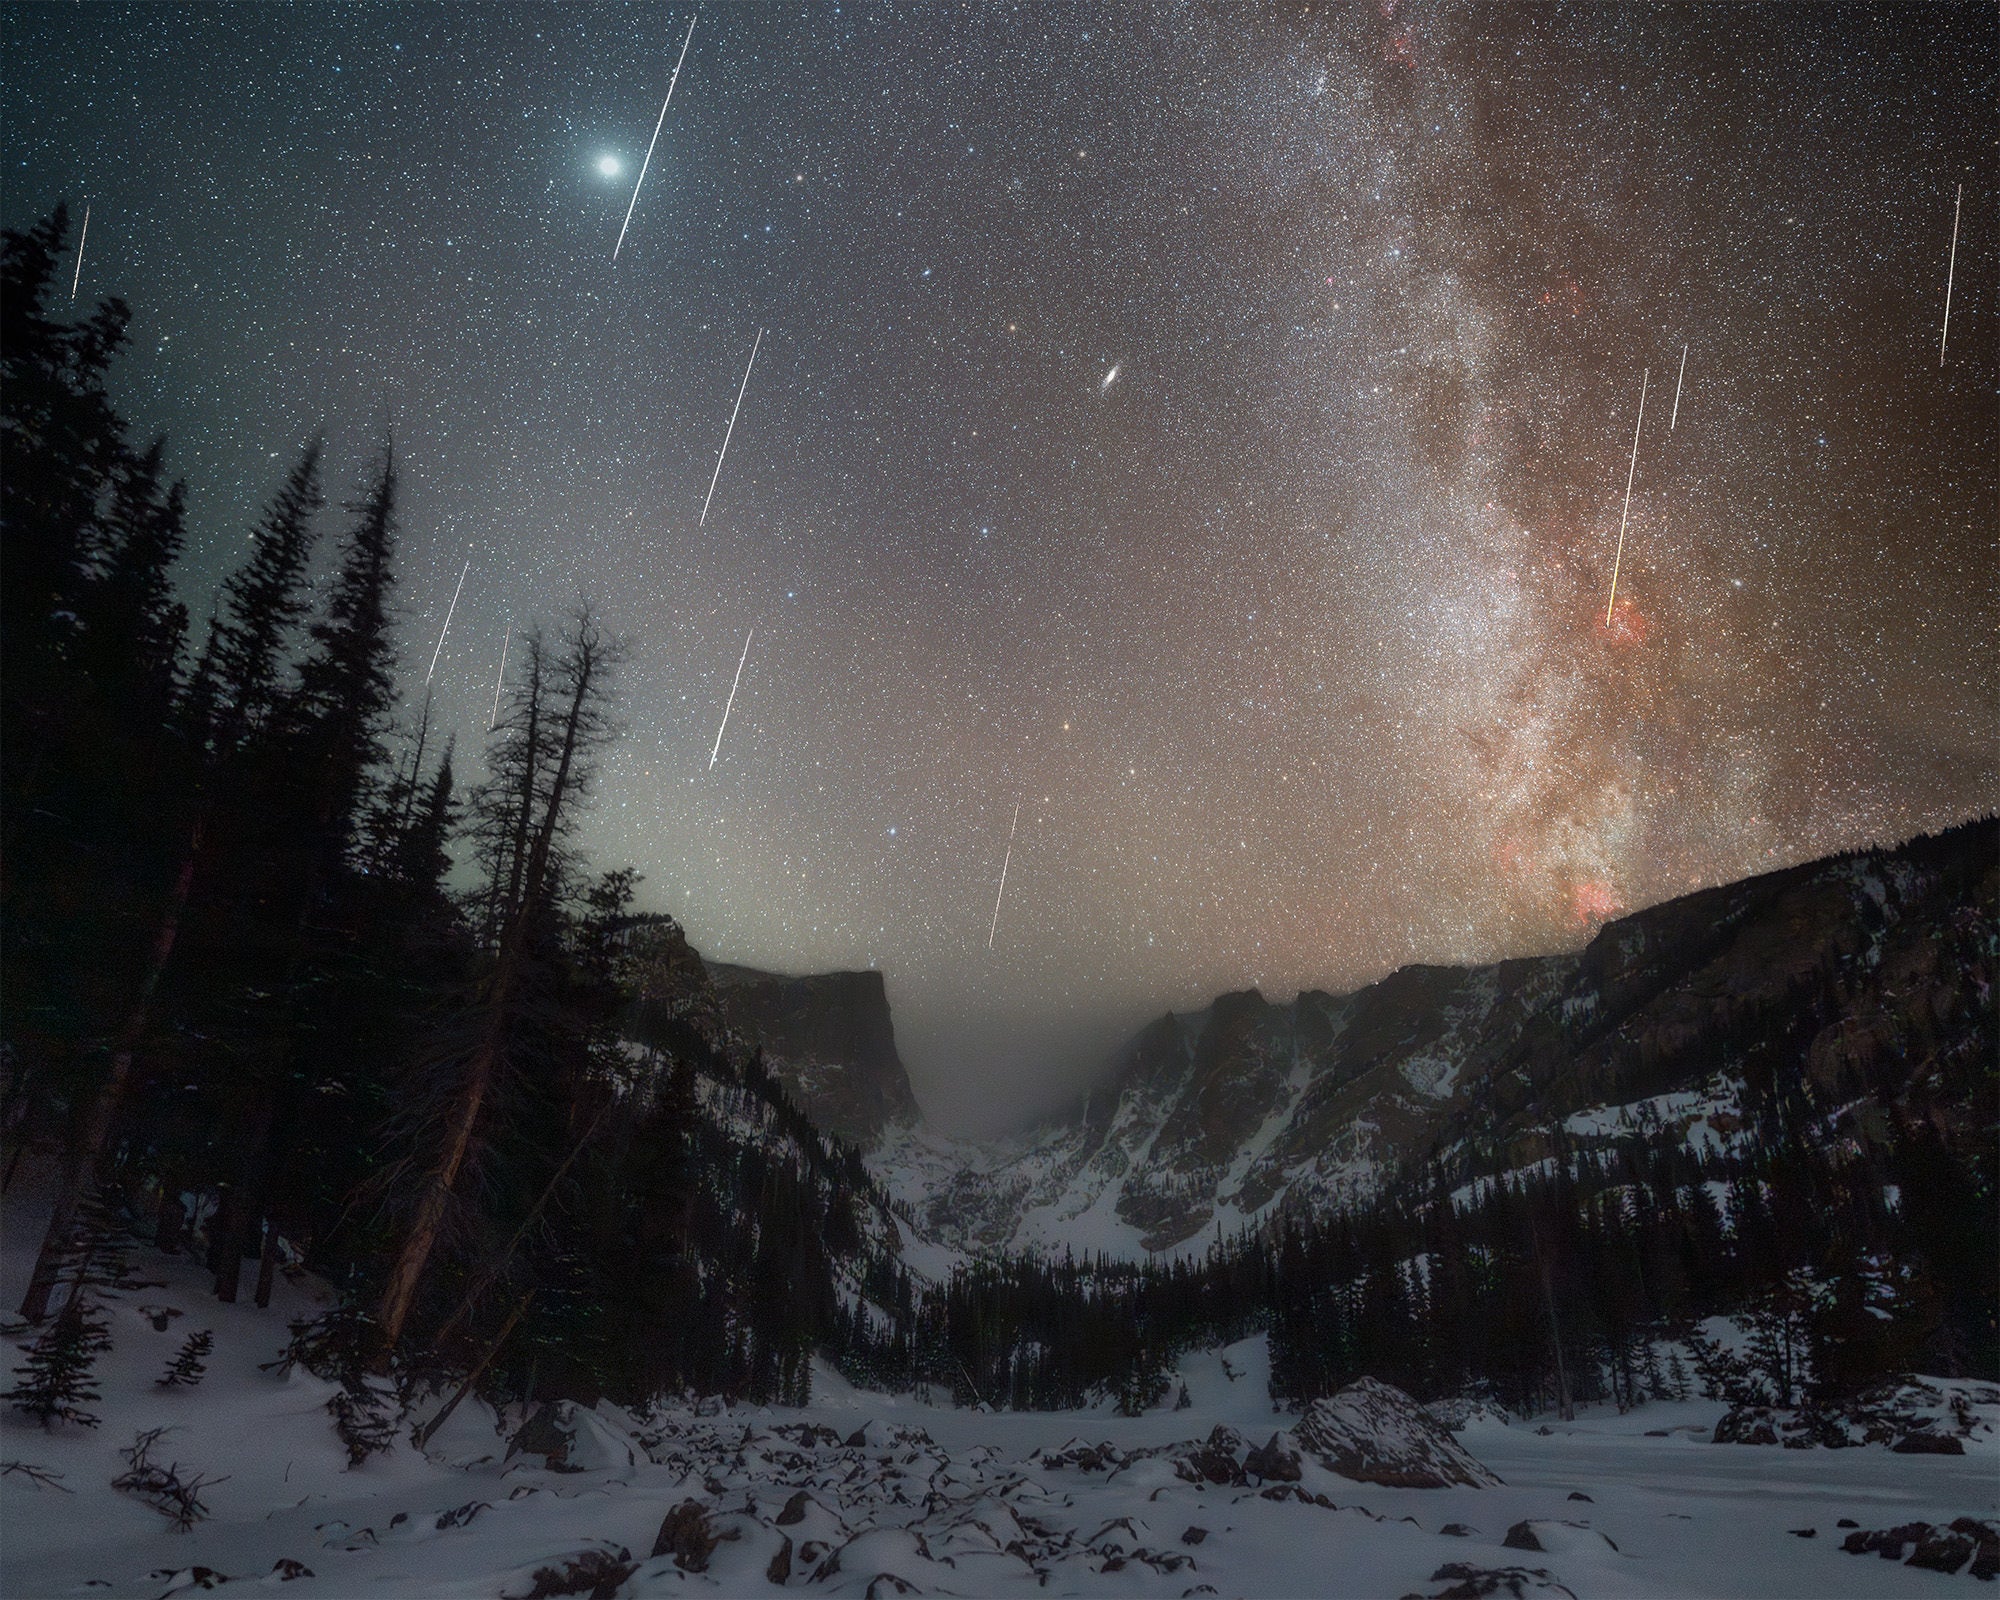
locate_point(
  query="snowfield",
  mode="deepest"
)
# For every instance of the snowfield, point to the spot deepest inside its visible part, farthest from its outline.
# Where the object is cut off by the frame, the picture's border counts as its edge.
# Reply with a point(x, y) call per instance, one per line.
point(867, 1494)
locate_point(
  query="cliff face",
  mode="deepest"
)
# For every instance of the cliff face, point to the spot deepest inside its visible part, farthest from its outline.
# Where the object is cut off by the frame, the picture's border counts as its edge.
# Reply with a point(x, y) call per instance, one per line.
point(829, 1039)
point(1865, 974)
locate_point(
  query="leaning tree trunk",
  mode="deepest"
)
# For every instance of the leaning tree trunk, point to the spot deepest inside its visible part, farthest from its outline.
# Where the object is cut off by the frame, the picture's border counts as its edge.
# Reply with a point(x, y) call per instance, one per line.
point(88, 1153)
point(482, 1070)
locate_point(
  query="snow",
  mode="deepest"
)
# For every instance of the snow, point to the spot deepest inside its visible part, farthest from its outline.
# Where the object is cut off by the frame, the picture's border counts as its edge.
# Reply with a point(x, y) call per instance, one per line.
point(949, 1500)
point(1710, 1118)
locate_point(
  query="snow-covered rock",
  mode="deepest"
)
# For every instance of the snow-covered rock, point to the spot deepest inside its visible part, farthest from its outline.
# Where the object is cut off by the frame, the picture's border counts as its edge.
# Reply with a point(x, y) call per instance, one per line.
point(1372, 1432)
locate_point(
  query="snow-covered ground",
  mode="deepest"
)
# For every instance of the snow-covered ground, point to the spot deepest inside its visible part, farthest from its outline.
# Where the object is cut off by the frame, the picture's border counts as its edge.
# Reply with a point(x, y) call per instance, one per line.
point(940, 1500)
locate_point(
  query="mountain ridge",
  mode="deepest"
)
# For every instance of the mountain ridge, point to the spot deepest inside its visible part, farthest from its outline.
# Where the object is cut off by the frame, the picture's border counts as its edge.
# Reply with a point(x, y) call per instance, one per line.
point(1855, 966)
point(1211, 1120)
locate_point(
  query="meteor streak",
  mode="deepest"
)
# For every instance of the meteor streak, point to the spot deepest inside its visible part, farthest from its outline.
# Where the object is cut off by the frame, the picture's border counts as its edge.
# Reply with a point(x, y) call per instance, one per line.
point(448, 610)
point(1627, 512)
point(713, 477)
point(493, 721)
point(1676, 417)
point(1950, 271)
point(76, 276)
point(676, 78)
point(1006, 862)
point(732, 699)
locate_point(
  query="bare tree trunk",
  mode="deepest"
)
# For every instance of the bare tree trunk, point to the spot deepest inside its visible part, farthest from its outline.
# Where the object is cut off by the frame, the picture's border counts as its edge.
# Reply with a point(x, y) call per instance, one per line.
point(429, 1429)
point(487, 1057)
point(267, 1263)
point(485, 1279)
point(1568, 1406)
point(88, 1154)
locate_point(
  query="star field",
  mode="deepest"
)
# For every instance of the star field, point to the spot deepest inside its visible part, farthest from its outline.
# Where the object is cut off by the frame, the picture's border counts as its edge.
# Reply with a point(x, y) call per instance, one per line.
point(1291, 635)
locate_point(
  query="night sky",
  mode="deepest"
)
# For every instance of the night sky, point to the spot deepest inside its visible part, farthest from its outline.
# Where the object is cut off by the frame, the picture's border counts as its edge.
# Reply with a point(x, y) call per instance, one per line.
point(1292, 634)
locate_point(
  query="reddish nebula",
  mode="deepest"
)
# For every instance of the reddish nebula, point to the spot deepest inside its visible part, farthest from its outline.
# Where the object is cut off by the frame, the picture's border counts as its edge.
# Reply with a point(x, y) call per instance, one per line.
point(1593, 901)
point(1626, 625)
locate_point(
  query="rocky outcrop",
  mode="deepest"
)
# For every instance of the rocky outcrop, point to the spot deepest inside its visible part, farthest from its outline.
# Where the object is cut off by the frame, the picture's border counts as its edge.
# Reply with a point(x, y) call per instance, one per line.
point(1372, 1432)
point(829, 1039)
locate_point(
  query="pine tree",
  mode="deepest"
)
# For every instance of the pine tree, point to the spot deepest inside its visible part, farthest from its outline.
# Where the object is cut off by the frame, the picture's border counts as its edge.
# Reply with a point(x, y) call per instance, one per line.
point(58, 1379)
point(189, 1367)
point(345, 684)
point(262, 602)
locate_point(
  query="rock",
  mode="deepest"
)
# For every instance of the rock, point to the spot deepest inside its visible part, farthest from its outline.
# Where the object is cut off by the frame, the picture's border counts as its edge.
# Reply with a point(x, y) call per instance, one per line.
point(795, 1509)
point(1942, 1550)
point(1934, 1548)
point(1803, 1533)
point(1273, 1462)
point(686, 1536)
point(1083, 1457)
point(1554, 1538)
point(1372, 1432)
point(599, 1574)
point(1194, 1535)
point(287, 1569)
point(1847, 1522)
point(1216, 1461)
point(1746, 1425)
point(1928, 1444)
point(1477, 1583)
point(1578, 1494)
point(540, 1435)
point(1456, 1530)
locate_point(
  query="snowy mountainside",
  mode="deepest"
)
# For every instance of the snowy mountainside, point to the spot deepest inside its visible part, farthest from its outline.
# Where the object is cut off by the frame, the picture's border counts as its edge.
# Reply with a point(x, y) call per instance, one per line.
point(1866, 974)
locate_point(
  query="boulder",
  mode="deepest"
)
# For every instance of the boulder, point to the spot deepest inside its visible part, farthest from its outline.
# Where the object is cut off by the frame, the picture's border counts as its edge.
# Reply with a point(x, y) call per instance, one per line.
point(1469, 1582)
point(1273, 1462)
point(1372, 1432)
point(1215, 1461)
point(1555, 1538)
point(685, 1534)
point(1922, 1443)
point(572, 1438)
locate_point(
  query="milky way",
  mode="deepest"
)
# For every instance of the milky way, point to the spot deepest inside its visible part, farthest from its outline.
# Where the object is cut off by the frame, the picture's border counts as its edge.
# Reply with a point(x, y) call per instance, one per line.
point(1294, 636)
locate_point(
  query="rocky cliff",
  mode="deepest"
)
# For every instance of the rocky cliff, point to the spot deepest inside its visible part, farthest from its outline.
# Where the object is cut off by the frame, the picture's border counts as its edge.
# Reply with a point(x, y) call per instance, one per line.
point(1862, 973)
point(827, 1037)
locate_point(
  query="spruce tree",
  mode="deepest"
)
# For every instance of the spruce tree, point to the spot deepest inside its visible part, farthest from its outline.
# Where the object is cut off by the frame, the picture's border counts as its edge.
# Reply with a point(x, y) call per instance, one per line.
point(189, 1367)
point(262, 602)
point(58, 1379)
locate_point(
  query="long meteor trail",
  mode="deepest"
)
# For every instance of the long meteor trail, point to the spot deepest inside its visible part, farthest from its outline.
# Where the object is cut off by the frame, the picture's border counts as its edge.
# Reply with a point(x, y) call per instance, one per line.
point(493, 721)
point(724, 451)
point(732, 698)
point(676, 78)
point(1004, 865)
point(448, 610)
point(76, 277)
point(1627, 512)
point(1950, 272)
point(1676, 417)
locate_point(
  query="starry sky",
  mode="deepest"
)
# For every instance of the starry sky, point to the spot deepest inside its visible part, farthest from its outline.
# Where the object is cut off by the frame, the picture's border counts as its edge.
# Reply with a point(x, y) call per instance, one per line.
point(1207, 427)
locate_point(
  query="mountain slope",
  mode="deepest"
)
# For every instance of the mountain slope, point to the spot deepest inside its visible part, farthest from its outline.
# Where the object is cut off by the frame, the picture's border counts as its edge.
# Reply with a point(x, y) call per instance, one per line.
point(1866, 971)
